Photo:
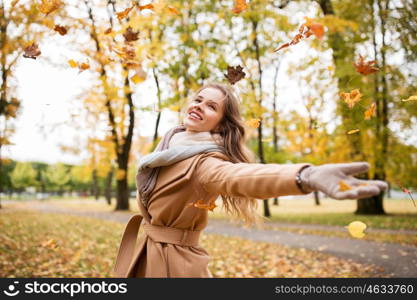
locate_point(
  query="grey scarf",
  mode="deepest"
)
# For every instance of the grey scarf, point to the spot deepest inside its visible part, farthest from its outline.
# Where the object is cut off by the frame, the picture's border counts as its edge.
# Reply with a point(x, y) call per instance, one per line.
point(150, 164)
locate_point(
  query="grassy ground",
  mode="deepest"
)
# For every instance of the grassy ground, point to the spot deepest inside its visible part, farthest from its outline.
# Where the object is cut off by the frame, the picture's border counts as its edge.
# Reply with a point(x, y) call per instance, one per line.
point(401, 213)
point(37, 244)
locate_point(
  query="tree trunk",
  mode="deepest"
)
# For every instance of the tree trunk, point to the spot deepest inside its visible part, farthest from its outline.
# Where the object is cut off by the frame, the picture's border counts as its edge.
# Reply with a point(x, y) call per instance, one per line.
point(107, 189)
point(267, 212)
point(316, 198)
point(96, 191)
point(276, 201)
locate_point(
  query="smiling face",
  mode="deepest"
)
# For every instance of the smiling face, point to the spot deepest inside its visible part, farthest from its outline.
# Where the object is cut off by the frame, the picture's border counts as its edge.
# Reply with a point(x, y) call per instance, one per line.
point(205, 111)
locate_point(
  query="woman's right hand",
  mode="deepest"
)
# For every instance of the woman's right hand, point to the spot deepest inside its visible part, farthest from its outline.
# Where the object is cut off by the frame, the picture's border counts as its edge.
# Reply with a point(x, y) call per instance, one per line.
point(327, 178)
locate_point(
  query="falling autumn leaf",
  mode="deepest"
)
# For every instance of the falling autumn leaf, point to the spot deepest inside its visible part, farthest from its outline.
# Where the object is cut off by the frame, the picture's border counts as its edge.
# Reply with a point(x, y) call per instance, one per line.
point(234, 74)
point(304, 31)
point(254, 123)
point(200, 204)
point(330, 68)
point(32, 51)
point(130, 35)
point(146, 6)
point(343, 186)
point(407, 191)
point(356, 229)
point(139, 76)
point(365, 68)
point(351, 98)
point(123, 14)
point(411, 98)
point(370, 112)
point(240, 5)
point(48, 6)
point(81, 66)
point(315, 27)
point(353, 131)
point(60, 29)
point(14, 2)
point(108, 30)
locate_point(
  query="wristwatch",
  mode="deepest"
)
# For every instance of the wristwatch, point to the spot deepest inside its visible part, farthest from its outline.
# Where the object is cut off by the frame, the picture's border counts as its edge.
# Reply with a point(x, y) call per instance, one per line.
point(299, 182)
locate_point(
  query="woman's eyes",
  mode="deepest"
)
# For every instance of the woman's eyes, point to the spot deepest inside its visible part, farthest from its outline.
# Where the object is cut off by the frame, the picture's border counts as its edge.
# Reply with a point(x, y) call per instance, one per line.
point(211, 105)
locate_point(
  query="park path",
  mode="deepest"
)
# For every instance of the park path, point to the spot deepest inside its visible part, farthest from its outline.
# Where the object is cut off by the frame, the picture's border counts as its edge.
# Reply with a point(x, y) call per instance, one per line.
point(395, 259)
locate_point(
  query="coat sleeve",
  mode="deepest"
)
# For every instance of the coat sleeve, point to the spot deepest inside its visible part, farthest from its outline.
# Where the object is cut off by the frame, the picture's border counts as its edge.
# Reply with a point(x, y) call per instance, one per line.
point(217, 175)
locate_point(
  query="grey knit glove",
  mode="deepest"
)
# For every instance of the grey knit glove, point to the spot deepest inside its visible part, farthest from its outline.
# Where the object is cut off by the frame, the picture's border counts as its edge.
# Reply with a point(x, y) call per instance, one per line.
point(336, 181)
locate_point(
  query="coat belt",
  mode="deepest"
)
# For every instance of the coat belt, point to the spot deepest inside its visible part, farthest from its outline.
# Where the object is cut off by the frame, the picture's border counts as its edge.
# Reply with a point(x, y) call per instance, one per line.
point(160, 234)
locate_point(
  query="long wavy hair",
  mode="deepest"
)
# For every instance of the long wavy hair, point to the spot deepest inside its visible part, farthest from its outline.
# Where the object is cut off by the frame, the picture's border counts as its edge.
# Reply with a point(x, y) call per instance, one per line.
point(232, 131)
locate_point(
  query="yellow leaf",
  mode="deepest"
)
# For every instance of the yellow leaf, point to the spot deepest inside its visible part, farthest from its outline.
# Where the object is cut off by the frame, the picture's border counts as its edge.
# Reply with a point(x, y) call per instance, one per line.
point(73, 63)
point(48, 6)
point(351, 98)
point(120, 174)
point(411, 98)
point(343, 186)
point(356, 229)
point(253, 123)
point(370, 112)
point(353, 131)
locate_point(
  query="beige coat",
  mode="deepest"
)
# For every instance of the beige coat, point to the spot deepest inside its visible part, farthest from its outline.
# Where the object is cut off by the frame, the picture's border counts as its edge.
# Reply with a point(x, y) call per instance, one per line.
point(169, 246)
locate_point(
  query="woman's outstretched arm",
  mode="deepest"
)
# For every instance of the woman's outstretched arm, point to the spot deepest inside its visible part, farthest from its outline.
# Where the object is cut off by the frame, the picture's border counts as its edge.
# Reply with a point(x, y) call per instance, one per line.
point(219, 176)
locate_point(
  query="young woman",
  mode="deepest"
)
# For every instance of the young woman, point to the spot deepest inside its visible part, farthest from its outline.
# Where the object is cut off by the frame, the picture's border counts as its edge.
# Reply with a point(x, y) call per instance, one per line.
point(199, 160)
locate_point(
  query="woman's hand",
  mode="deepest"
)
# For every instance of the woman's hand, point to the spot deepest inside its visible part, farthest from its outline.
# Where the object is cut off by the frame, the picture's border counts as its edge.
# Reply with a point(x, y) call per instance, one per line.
point(326, 178)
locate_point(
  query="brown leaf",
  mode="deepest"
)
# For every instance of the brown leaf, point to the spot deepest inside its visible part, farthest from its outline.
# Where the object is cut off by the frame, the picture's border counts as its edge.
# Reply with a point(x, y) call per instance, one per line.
point(108, 30)
point(32, 51)
point(365, 68)
point(130, 35)
point(61, 29)
point(234, 74)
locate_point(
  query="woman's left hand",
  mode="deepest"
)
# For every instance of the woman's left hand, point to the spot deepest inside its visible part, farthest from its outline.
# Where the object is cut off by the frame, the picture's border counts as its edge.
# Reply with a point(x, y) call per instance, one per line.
point(329, 178)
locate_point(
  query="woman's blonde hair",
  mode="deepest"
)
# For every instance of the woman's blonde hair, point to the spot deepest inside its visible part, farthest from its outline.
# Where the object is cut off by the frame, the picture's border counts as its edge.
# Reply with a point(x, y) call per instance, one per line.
point(232, 131)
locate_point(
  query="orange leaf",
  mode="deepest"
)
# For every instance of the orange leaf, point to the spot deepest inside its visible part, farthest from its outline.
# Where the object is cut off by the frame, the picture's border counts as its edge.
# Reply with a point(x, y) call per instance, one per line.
point(200, 204)
point(48, 6)
point(316, 28)
point(303, 32)
point(370, 112)
point(351, 98)
point(343, 186)
point(365, 68)
point(240, 5)
point(123, 14)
